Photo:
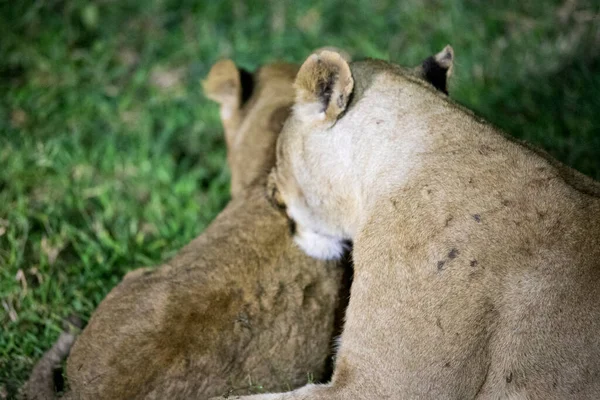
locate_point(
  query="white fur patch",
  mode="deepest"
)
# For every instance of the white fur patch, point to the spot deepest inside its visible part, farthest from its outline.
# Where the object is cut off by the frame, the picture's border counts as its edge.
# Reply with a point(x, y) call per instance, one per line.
point(320, 246)
point(226, 113)
point(309, 112)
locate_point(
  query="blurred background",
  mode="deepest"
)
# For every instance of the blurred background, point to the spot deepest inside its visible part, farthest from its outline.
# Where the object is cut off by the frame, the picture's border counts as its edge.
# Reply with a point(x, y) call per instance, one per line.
point(111, 158)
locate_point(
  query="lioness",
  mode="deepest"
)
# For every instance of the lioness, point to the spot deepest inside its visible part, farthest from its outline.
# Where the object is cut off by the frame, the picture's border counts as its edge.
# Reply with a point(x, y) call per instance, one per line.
point(240, 306)
point(477, 259)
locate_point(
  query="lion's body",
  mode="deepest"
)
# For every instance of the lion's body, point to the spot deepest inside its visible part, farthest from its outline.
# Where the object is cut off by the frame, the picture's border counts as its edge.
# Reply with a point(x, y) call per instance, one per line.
point(239, 308)
point(477, 259)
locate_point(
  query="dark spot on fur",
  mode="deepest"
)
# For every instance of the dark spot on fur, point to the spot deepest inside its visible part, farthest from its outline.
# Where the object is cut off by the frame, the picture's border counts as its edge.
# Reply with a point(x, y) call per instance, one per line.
point(506, 203)
point(447, 365)
point(473, 263)
point(247, 82)
point(440, 265)
point(471, 181)
point(438, 323)
point(379, 121)
point(526, 250)
point(509, 377)
point(412, 246)
point(448, 220)
point(453, 254)
point(541, 215)
point(485, 150)
point(435, 74)
point(477, 217)
point(243, 319)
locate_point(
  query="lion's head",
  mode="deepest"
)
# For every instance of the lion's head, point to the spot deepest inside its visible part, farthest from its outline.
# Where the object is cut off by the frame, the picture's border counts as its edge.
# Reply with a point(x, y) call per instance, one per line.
point(347, 119)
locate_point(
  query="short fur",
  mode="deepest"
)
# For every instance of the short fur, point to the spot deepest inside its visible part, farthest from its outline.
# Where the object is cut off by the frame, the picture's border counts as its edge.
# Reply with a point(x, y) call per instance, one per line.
point(477, 258)
point(239, 308)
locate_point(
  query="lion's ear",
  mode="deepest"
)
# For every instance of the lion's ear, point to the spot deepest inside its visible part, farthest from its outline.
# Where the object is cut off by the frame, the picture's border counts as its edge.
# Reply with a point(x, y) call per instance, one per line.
point(343, 53)
point(323, 87)
point(223, 83)
point(228, 85)
point(231, 87)
point(438, 68)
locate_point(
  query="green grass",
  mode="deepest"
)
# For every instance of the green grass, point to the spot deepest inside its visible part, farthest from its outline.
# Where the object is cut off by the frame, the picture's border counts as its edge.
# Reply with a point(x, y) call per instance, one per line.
point(111, 159)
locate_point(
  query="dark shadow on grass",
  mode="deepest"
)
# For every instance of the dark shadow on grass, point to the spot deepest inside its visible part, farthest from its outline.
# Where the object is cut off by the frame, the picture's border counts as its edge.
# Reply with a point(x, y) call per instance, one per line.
point(558, 112)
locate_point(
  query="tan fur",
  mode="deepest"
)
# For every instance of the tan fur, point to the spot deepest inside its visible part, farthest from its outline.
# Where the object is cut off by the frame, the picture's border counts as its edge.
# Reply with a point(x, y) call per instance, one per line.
point(239, 308)
point(477, 259)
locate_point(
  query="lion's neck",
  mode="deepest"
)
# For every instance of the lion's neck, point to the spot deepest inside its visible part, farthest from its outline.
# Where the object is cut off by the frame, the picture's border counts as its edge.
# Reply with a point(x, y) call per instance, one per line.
point(384, 164)
point(379, 145)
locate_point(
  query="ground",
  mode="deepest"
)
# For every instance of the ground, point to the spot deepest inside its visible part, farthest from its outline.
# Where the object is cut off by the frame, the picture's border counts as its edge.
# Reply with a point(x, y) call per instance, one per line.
point(111, 158)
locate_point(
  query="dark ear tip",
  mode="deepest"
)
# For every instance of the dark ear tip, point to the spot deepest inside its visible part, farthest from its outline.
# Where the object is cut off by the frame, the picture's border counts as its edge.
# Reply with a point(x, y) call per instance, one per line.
point(435, 73)
point(223, 81)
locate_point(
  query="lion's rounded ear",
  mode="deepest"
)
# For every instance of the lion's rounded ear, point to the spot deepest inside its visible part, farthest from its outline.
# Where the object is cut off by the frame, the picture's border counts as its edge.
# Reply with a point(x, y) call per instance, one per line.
point(223, 83)
point(343, 53)
point(438, 68)
point(323, 87)
point(228, 84)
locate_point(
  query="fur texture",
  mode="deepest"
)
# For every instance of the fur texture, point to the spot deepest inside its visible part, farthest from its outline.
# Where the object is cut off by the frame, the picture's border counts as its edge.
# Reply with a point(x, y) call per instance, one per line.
point(477, 258)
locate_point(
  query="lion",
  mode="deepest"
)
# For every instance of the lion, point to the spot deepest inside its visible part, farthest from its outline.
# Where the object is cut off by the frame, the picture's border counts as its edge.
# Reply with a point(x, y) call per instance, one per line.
point(241, 309)
point(476, 257)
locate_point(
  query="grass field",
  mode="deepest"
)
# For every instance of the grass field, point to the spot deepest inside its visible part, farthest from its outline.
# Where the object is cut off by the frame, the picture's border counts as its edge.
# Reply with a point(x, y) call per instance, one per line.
point(111, 159)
